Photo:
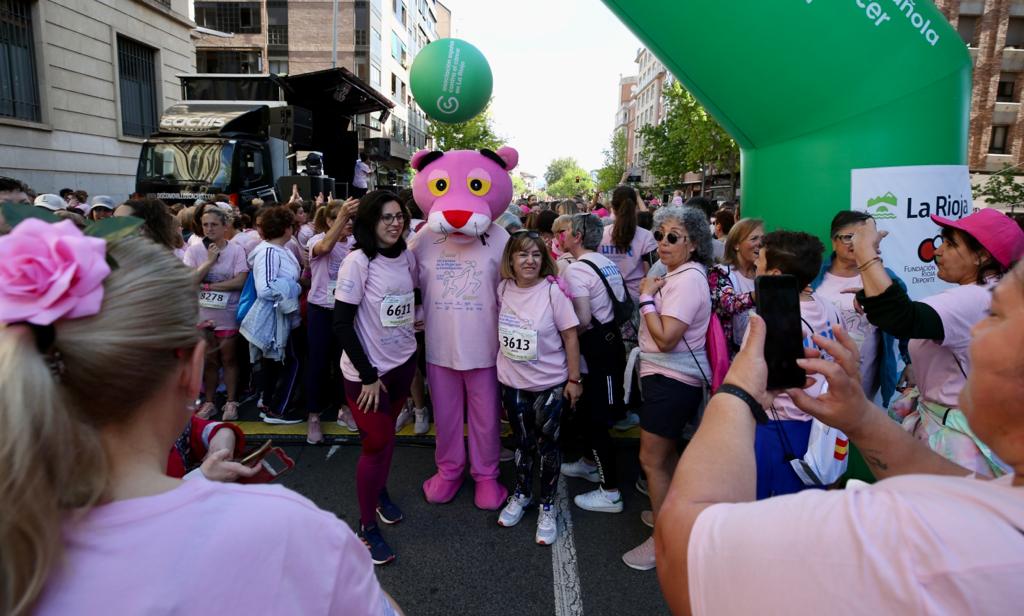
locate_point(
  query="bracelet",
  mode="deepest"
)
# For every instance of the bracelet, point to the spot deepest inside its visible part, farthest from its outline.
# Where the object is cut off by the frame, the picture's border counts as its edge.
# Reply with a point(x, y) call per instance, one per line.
point(755, 409)
point(647, 309)
point(578, 381)
point(869, 264)
point(648, 303)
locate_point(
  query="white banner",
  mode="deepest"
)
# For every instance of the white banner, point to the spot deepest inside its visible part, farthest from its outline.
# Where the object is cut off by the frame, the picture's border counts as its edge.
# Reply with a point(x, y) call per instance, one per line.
point(902, 199)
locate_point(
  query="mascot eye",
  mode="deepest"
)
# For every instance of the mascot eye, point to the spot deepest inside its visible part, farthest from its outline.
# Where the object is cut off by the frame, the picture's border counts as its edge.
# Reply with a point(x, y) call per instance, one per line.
point(438, 187)
point(478, 186)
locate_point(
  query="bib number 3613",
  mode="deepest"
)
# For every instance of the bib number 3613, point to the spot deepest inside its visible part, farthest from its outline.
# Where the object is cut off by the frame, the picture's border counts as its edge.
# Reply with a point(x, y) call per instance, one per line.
point(396, 310)
point(518, 343)
point(213, 299)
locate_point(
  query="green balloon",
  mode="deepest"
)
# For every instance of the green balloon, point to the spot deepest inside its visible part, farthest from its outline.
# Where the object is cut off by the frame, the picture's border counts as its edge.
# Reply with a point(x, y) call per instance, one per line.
point(451, 80)
point(813, 89)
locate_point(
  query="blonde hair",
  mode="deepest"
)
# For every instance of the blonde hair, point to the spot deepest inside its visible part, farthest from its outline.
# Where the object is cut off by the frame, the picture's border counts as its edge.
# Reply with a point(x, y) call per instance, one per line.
point(330, 210)
point(520, 241)
point(52, 461)
point(737, 235)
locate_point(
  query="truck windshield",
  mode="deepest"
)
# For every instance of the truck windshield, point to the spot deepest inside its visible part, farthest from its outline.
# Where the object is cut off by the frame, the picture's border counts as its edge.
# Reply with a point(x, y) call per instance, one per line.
point(196, 162)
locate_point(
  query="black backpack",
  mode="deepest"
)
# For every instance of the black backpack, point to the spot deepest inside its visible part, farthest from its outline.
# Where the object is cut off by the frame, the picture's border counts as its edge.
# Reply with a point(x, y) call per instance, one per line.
point(622, 311)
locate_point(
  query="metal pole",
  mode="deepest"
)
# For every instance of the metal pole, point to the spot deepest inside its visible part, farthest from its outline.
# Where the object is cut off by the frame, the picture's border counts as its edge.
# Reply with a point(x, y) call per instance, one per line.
point(334, 30)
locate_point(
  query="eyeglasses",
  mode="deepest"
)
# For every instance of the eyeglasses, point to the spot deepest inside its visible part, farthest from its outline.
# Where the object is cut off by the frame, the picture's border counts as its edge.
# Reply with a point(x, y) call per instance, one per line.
point(846, 238)
point(389, 219)
point(671, 237)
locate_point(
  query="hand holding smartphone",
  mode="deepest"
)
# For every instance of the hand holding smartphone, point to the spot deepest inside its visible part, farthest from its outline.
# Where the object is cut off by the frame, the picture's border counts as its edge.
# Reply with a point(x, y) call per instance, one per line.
point(778, 303)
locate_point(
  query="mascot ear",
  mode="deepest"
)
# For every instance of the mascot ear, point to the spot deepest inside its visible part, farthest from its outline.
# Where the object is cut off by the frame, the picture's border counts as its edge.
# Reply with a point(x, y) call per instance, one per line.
point(507, 157)
point(423, 158)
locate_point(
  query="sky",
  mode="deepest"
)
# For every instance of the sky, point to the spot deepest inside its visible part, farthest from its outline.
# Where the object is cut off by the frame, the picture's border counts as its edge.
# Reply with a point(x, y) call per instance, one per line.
point(556, 66)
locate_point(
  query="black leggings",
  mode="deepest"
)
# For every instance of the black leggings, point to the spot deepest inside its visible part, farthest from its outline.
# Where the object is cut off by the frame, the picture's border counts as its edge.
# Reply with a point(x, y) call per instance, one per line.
point(536, 417)
point(604, 351)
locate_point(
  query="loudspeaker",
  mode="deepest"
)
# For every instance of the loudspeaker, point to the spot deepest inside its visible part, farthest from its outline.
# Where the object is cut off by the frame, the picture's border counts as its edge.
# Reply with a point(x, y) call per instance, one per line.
point(377, 148)
point(293, 124)
point(309, 186)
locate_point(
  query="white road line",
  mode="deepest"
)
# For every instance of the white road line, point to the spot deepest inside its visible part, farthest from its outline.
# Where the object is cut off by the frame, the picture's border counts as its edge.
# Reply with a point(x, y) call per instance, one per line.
point(568, 596)
point(333, 450)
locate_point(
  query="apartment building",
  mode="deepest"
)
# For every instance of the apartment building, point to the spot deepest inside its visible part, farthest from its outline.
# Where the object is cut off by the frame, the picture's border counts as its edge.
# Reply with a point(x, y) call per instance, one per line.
point(376, 39)
point(82, 83)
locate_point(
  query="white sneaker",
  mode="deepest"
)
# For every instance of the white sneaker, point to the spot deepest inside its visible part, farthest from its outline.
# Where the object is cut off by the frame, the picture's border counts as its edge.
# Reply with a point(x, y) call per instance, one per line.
point(600, 500)
point(404, 419)
point(547, 526)
point(647, 517)
point(580, 468)
point(346, 421)
point(641, 557)
point(513, 511)
point(631, 419)
point(422, 425)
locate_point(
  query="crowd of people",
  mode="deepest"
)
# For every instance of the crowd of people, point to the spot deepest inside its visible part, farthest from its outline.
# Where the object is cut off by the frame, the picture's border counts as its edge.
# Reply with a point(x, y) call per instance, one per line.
point(605, 317)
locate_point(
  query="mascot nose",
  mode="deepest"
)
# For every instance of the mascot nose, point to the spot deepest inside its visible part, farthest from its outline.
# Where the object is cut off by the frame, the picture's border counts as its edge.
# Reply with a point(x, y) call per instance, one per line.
point(457, 218)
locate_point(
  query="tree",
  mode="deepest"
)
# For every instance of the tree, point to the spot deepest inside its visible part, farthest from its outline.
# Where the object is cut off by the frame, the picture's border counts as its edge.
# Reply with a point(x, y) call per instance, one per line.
point(558, 168)
point(474, 134)
point(1003, 189)
point(570, 178)
point(610, 175)
point(518, 186)
point(688, 140)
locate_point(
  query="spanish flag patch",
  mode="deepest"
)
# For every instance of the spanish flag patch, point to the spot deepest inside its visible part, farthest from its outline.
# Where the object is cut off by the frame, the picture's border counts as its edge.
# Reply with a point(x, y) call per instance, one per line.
point(842, 448)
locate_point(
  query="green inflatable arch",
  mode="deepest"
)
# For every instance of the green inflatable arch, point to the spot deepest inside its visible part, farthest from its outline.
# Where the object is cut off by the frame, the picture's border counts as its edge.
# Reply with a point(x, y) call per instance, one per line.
point(811, 89)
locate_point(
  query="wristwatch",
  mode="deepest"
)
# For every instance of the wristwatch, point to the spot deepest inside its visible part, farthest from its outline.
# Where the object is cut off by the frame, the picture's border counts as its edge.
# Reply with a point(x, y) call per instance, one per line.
point(755, 408)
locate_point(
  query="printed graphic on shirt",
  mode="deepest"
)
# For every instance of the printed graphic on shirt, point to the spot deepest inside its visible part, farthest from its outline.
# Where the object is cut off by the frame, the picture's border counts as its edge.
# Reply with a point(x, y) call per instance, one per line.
point(461, 282)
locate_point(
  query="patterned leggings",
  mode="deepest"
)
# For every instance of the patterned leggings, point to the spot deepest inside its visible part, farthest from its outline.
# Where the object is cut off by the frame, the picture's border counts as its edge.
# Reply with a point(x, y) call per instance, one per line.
point(536, 417)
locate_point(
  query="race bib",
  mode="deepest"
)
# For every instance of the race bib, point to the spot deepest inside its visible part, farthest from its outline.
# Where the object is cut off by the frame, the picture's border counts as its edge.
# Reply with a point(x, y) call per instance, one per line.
point(331, 286)
point(396, 310)
point(217, 300)
point(518, 343)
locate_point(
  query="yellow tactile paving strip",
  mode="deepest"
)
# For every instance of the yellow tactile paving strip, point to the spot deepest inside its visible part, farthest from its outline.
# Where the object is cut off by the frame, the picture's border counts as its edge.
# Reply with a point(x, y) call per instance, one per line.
point(257, 430)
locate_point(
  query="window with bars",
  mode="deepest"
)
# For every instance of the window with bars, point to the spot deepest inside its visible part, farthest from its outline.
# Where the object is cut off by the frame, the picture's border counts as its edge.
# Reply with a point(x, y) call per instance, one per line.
point(236, 17)
point(19, 89)
point(245, 61)
point(277, 35)
point(136, 67)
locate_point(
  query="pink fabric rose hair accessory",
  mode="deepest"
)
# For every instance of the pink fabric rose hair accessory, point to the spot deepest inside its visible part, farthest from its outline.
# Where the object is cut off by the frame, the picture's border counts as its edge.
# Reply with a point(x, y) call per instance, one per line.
point(50, 272)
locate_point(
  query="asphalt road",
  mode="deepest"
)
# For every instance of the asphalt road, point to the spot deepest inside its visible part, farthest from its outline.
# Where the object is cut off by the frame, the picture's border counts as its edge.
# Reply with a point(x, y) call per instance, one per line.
point(455, 559)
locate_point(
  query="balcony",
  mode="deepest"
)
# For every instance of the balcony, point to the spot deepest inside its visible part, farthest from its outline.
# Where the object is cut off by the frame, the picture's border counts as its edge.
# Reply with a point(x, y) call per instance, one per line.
point(996, 162)
point(1005, 113)
point(1013, 60)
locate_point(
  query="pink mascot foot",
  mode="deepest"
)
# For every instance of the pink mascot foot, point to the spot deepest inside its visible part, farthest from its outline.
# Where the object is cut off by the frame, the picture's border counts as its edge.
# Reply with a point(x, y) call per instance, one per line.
point(438, 490)
point(490, 495)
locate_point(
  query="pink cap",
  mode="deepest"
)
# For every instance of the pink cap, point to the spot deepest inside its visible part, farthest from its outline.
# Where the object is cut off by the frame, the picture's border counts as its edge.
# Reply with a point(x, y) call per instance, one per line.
point(997, 232)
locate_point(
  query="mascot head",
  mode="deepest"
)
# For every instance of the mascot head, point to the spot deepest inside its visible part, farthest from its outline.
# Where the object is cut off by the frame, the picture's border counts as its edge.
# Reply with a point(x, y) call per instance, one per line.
point(462, 191)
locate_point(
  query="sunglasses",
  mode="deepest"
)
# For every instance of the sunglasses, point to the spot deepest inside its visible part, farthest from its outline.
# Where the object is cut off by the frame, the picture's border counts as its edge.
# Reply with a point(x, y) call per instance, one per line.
point(671, 237)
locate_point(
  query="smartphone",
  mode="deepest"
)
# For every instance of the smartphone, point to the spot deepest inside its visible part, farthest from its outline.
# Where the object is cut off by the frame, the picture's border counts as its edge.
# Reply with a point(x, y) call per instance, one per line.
point(778, 303)
point(276, 462)
point(256, 455)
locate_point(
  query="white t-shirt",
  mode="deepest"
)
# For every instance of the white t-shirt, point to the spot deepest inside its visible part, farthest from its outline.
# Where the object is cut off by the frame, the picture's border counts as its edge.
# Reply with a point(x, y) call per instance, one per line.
point(915, 544)
point(384, 291)
point(631, 260)
point(362, 172)
point(740, 284)
point(939, 375)
point(530, 352)
point(584, 282)
point(866, 335)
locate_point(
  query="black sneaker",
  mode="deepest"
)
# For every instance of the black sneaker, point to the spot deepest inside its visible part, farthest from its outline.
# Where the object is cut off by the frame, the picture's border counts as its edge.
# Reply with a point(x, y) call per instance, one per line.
point(387, 511)
point(380, 552)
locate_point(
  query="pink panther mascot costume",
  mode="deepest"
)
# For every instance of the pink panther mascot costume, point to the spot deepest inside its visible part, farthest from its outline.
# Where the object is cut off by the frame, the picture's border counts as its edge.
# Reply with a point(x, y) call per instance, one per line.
point(458, 253)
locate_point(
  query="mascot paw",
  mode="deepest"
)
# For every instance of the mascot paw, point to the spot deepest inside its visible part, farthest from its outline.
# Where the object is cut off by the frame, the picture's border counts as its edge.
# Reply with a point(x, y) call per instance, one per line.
point(490, 495)
point(439, 491)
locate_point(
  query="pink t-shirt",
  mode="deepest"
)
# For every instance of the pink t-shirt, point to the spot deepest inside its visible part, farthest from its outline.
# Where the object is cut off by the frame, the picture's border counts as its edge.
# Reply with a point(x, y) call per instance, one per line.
point(914, 544)
point(383, 289)
point(685, 297)
point(247, 240)
point(195, 550)
point(630, 261)
point(306, 231)
point(866, 335)
point(229, 264)
point(459, 277)
point(293, 247)
point(325, 270)
point(584, 282)
point(939, 378)
point(531, 356)
point(822, 316)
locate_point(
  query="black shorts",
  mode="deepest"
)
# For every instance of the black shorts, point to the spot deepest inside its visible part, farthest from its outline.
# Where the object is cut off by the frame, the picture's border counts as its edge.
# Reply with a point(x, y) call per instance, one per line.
point(668, 405)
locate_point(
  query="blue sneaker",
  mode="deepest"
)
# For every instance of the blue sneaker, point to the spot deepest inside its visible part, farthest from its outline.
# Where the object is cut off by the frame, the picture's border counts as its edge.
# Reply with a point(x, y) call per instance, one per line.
point(387, 511)
point(380, 552)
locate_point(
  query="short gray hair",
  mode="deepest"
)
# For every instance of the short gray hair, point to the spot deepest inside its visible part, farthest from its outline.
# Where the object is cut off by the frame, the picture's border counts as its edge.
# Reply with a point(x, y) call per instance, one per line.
point(696, 224)
point(590, 228)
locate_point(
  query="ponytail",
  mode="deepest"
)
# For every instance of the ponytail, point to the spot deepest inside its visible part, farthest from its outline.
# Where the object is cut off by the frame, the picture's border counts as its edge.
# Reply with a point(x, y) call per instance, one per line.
point(624, 207)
